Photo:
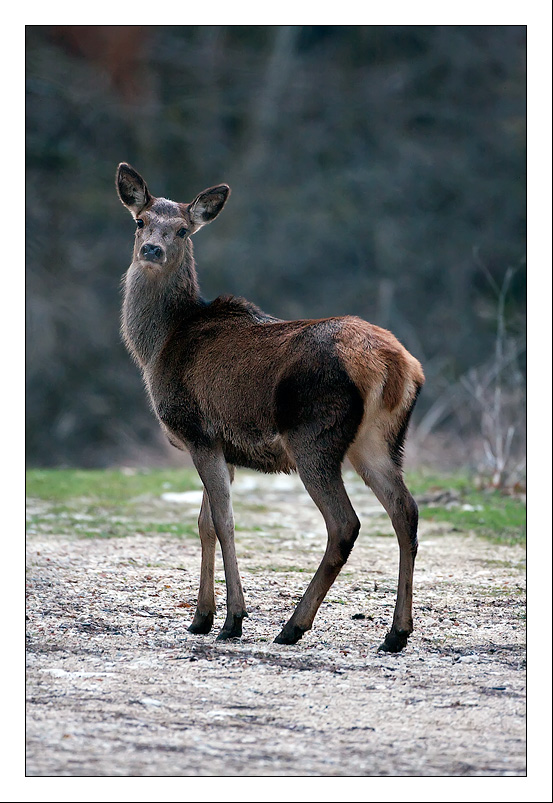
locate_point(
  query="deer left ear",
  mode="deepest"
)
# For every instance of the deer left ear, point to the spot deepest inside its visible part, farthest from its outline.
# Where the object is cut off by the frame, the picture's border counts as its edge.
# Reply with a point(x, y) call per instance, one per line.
point(131, 188)
point(207, 205)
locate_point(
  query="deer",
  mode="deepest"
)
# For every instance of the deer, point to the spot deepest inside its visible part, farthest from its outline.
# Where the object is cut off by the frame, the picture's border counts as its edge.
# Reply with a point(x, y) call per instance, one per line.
point(236, 387)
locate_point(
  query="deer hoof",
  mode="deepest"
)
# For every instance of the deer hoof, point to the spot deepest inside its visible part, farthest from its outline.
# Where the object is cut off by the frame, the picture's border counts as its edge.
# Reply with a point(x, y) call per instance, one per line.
point(395, 640)
point(289, 634)
point(232, 628)
point(202, 623)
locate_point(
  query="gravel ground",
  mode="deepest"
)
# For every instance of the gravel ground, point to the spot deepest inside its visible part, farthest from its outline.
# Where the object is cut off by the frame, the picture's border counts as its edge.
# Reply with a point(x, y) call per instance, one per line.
point(116, 685)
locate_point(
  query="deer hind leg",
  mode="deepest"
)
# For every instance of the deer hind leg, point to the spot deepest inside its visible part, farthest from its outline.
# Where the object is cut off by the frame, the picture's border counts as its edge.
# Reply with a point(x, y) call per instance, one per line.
point(205, 609)
point(323, 481)
point(373, 461)
point(217, 477)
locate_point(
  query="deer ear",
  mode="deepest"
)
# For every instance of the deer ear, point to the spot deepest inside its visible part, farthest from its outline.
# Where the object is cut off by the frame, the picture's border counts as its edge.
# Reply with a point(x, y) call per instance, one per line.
point(207, 205)
point(131, 188)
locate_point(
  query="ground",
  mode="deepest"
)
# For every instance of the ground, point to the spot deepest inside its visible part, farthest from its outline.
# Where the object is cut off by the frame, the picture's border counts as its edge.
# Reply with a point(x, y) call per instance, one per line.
point(118, 687)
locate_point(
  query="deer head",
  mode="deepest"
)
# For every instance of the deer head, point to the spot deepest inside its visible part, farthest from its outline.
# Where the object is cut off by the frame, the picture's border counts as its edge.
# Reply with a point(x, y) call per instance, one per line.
point(164, 227)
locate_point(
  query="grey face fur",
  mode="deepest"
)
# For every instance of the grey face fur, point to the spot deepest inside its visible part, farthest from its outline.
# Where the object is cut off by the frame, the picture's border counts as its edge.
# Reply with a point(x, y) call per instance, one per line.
point(163, 226)
point(161, 234)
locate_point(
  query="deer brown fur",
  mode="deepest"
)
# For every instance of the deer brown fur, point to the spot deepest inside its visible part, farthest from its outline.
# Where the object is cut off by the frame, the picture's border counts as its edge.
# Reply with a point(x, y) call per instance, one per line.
point(237, 387)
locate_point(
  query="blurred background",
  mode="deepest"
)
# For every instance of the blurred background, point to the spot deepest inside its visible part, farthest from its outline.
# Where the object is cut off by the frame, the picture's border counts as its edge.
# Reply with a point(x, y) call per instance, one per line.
point(378, 171)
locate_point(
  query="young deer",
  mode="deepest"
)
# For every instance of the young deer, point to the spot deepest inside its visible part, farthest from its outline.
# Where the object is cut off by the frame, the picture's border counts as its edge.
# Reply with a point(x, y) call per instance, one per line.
point(237, 387)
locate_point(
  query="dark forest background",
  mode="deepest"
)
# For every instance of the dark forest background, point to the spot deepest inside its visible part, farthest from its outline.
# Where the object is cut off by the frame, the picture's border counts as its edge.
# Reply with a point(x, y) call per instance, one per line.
point(376, 170)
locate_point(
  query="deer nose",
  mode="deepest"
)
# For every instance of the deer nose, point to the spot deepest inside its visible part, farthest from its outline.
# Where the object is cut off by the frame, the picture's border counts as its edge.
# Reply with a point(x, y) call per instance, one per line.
point(152, 252)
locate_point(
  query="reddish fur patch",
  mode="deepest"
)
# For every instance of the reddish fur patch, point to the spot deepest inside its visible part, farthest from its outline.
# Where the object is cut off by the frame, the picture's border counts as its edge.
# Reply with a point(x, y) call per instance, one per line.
point(359, 348)
point(394, 386)
point(377, 362)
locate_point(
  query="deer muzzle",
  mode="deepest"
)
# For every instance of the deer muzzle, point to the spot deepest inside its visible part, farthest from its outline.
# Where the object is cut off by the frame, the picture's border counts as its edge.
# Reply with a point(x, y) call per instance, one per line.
point(151, 252)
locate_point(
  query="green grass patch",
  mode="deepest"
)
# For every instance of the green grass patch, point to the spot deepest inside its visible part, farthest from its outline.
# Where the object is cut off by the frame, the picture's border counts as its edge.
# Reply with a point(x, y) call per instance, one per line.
point(491, 514)
point(116, 503)
point(107, 486)
point(423, 482)
point(106, 526)
point(109, 504)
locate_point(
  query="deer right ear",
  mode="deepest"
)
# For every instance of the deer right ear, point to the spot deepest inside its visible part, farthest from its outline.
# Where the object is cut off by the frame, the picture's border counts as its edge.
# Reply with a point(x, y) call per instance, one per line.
point(207, 205)
point(131, 188)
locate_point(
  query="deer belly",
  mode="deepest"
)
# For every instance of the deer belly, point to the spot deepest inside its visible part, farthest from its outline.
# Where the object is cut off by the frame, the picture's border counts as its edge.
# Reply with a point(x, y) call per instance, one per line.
point(245, 445)
point(267, 454)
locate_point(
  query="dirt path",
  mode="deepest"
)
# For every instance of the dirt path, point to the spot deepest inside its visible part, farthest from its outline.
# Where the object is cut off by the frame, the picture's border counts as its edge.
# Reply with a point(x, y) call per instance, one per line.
point(117, 687)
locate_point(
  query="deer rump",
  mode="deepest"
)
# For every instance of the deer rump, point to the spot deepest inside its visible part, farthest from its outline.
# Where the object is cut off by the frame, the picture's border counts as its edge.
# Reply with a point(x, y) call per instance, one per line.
point(238, 387)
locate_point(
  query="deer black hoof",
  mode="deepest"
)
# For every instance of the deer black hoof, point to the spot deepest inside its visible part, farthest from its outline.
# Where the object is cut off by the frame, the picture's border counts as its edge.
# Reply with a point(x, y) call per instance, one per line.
point(290, 634)
point(395, 640)
point(232, 628)
point(202, 623)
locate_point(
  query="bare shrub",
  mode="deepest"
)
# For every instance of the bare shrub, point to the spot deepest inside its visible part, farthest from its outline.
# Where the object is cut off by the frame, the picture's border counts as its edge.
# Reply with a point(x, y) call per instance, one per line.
point(484, 411)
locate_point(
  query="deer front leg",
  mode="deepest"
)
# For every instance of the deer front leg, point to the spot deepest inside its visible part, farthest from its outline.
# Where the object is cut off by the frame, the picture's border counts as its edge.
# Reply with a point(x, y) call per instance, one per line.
point(217, 477)
point(205, 609)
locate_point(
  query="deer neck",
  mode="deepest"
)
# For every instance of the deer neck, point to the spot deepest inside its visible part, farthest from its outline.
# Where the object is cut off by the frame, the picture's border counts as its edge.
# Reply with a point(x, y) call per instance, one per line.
point(154, 301)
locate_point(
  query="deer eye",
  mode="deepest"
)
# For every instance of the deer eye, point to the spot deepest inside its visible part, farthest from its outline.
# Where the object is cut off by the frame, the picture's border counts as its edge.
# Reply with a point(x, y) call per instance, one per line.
point(182, 232)
point(139, 223)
